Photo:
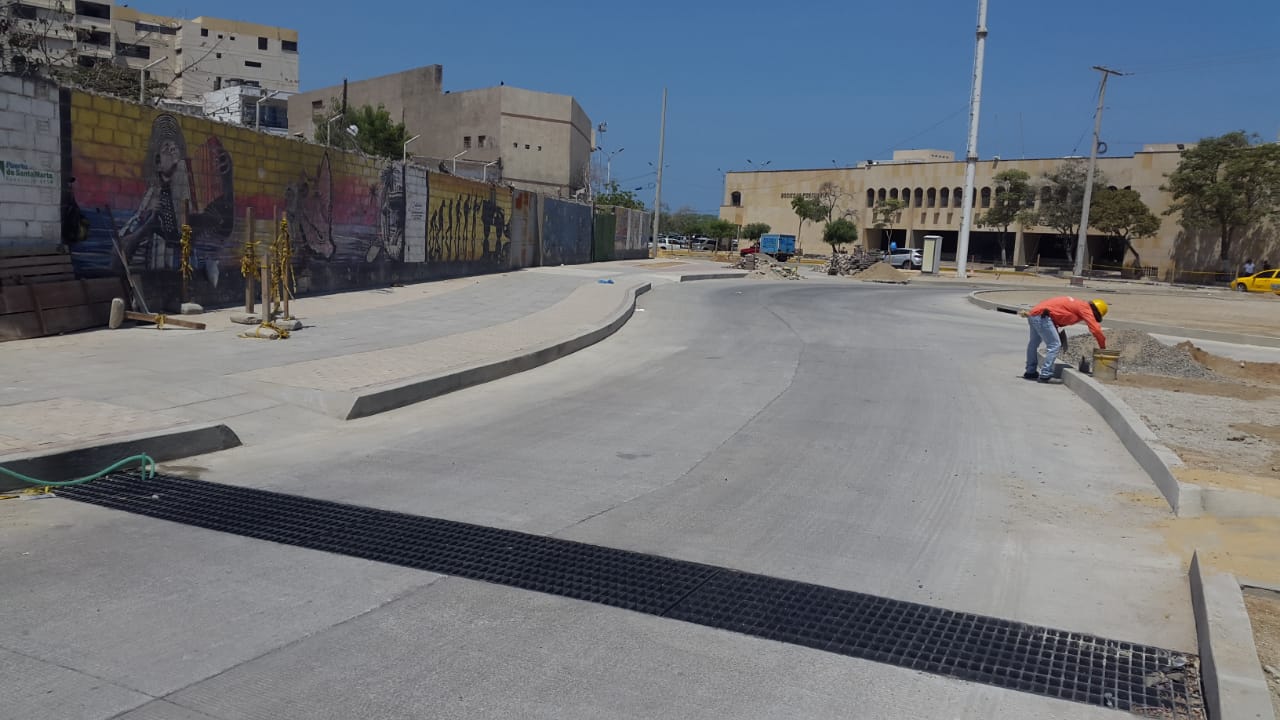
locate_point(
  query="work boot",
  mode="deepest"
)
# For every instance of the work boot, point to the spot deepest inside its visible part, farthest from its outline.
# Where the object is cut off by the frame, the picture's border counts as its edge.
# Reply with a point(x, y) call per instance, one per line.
point(1044, 380)
point(1030, 375)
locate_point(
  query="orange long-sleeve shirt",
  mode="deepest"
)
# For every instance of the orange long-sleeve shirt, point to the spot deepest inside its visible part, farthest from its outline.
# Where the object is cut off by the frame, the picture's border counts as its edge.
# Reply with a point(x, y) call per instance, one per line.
point(1066, 311)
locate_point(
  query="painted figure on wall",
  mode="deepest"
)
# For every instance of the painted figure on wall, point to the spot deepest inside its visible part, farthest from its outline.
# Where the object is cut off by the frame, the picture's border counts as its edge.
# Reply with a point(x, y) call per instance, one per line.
point(467, 227)
point(389, 195)
point(154, 230)
point(310, 204)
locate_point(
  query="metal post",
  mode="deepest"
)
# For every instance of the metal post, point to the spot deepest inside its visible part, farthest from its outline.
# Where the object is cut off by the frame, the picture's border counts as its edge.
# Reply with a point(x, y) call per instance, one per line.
point(142, 79)
point(248, 280)
point(1082, 241)
point(657, 192)
point(406, 147)
point(971, 154)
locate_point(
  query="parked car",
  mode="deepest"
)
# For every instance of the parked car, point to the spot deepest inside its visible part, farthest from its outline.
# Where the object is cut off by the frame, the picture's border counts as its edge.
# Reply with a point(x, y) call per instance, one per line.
point(664, 244)
point(1265, 281)
point(905, 258)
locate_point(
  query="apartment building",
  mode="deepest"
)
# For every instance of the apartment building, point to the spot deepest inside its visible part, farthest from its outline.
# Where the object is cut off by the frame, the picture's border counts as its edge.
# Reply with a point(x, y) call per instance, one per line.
point(525, 138)
point(193, 56)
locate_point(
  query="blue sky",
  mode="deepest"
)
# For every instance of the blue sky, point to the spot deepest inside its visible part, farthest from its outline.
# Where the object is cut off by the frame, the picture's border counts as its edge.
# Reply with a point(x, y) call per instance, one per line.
point(828, 80)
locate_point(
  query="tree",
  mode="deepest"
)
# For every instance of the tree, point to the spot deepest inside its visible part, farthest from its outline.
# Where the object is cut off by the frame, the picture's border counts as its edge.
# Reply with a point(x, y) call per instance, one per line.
point(887, 213)
point(1229, 184)
point(721, 230)
point(687, 221)
point(828, 197)
point(617, 197)
point(1013, 194)
point(753, 231)
point(375, 134)
point(840, 231)
point(807, 207)
point(1121, 214)
point(1064, 203)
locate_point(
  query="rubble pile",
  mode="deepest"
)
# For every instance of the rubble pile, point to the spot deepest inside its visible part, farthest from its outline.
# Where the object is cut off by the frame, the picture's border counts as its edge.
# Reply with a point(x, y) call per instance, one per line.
point(766, 266)
point(850, 263)
point(883, 272)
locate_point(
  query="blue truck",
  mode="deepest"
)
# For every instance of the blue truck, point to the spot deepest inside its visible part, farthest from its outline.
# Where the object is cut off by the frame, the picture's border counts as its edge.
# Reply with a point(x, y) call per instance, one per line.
point(781, 247)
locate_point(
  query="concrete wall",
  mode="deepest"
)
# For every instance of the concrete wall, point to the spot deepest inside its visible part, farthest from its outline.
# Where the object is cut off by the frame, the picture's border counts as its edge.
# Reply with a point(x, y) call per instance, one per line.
point(412, 97)
point(567, 231)
point(31, 177)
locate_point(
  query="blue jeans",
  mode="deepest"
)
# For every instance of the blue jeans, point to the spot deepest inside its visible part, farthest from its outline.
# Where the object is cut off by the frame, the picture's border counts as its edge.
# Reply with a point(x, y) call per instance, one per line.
point(1042, 331)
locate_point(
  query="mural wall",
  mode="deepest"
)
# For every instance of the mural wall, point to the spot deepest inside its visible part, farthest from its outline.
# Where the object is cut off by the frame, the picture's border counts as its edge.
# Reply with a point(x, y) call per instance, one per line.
point(355, 221)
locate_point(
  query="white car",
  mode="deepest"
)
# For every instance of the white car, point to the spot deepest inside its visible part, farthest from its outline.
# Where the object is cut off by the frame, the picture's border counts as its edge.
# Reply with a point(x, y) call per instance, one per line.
point(905, 258)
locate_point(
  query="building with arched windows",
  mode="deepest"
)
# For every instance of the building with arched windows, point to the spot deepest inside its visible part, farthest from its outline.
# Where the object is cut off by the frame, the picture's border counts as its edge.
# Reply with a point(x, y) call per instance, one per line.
point(929, 184)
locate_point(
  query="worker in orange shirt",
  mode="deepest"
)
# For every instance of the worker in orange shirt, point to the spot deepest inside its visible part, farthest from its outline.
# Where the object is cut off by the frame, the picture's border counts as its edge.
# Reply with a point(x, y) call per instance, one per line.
point(1046, 318)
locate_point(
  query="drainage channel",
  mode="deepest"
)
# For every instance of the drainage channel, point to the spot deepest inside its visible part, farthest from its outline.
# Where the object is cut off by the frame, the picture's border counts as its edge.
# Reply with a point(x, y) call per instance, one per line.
point(1144, 680)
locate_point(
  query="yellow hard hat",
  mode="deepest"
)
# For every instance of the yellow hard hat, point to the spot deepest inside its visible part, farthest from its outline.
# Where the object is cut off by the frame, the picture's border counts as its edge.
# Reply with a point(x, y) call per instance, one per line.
point(1101, 306)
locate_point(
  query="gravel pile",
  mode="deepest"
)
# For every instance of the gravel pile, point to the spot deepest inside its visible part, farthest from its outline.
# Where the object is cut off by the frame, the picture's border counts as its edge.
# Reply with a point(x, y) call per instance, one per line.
point(850, 263)
point(883, 272)
point(1139, 354)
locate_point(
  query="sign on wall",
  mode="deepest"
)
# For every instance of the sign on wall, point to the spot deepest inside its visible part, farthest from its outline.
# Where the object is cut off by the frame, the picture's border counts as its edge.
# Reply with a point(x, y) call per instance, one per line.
point(20, 173)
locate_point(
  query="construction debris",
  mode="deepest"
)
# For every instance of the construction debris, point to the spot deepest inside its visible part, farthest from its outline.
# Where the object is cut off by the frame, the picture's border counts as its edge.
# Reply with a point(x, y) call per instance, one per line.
point(850, 263)
point(883, 272)
point(763, 266)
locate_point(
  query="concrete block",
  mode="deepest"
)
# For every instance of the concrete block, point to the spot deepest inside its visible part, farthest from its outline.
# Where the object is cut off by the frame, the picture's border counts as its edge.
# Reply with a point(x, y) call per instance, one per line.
point(10, 84)
point(14, 230)
point(17, 211)
point(48, 214)
point(191, 309)
point(246, 318)
point(44, 109)
point(46, 143)
point(11, 120)
point(20, 103)
point(1234, 686)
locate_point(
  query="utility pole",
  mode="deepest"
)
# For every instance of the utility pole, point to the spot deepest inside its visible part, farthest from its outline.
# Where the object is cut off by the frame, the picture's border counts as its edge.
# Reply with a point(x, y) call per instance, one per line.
point(657, 191)
point(971, 154)
point(1082, 242)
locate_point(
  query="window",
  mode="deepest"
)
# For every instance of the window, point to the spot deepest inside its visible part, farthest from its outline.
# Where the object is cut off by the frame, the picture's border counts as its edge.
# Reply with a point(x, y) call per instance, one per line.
point(134, 51)
point(252, 63)
point(289, 45)
point(526, 146)
point(957, 197)
point(515, 145)
point(178, 51)
point(906, 197)
point(100, 38)
point(25, 12)
point(539, 148)
point(146, 27)
point(101, 11)
point(893, 193)
point(219, 36)
point(217, 83)
point(219, 56)
point(735, 198)
point(204, 32)
point(871, 198)
point(233, 38)
point(880, 195)
point(262, 43)
point(466, 142)
point(87, 61)
point(944, 197)
point(317, 104)
point(480, 140)
point(919, 199)
point(931, 198)
point(986, 197)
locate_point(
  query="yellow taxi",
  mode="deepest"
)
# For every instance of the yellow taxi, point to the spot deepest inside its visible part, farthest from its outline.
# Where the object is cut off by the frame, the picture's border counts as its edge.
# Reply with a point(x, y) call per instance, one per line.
point(1265, 281)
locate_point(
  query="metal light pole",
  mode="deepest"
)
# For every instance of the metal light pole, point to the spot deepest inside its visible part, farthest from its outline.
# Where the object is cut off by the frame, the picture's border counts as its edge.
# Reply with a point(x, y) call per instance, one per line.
point(455, 161)
point(257, 108)
point(971, 154)
point(608, 163)
point(485, 170)
point(657, 192)
point(1082, 241)
point(142, 79)
point(406, 147)
point(328, 134)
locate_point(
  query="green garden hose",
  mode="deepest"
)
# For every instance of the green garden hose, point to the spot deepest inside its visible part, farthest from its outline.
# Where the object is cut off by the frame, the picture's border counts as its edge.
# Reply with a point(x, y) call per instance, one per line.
point(144, 461)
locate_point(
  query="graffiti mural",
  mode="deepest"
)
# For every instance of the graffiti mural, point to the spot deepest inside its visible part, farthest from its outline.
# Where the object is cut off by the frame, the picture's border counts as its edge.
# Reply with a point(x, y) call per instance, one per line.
point(136, 173)
point(467, 221)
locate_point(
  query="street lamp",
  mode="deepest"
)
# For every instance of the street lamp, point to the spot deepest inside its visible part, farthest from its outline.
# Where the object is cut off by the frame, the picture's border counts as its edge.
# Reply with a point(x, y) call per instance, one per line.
point(455, 161)
point(406, 147)
point(485, 170)
point(608, 163)
point(142, 79)
point(328, 133)
point(257, 108)
point(760, 166)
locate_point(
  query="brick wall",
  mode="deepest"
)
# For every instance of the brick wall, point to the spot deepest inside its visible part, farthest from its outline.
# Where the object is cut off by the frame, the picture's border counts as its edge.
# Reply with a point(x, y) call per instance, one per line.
point(30, 166)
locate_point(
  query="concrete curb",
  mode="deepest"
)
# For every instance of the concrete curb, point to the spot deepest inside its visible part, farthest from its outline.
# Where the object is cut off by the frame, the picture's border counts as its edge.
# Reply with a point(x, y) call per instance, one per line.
point(1234, 687)
point(78, 460)
point(728, 275)
point(1154, 458)
point(397, 395)
point(1193, 333)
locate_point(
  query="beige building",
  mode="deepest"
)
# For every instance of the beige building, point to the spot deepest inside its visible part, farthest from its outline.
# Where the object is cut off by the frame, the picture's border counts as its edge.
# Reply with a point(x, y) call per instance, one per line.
point(930, 183)
point(532, 140)
point(193, 56)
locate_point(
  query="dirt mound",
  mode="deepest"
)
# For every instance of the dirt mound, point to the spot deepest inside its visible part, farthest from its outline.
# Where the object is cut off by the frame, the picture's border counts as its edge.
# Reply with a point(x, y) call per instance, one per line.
point(850, 263)
point(883, 272)
point(1251, 372)
point(1139, 353)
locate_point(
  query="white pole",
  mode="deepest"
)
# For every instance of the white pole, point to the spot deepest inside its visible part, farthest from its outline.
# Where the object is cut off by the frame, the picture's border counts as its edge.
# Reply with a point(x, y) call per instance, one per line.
point(406, 148)
point(971, 154)
point(657, 192)
point(1082, 241)
point(142, 79)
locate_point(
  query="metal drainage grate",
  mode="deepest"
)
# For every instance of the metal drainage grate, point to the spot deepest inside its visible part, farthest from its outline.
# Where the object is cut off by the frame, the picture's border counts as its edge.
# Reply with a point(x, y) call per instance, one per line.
point(1137, 678)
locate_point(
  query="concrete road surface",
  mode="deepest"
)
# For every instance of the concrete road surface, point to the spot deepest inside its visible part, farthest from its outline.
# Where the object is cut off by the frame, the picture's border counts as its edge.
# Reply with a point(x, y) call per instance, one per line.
point(867, 437)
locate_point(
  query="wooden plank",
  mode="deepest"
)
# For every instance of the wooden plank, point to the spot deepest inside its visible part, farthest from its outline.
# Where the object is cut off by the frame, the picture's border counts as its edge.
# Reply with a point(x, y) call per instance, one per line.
point(35, 261)
point(58, 294)
point(168, 320)
point(35, 300)
point(69, 319)
point(19, 326)
point(104, 289)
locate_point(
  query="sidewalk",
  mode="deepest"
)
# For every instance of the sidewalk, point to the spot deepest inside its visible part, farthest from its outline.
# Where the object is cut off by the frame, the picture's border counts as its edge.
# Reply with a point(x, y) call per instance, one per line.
point(358, 353)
